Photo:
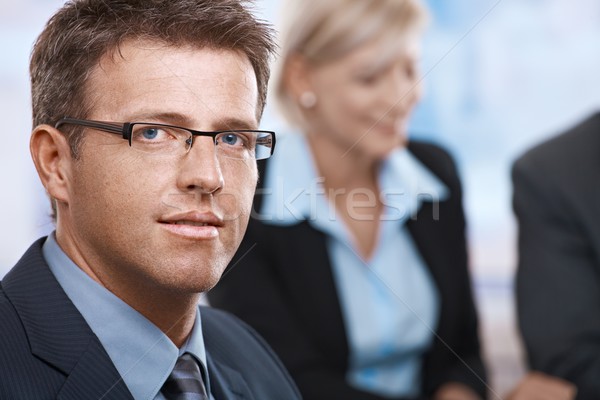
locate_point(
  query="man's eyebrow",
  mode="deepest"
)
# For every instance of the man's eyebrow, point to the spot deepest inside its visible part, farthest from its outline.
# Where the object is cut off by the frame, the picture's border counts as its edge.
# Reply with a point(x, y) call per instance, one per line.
point(235, 123)
point(175, 118)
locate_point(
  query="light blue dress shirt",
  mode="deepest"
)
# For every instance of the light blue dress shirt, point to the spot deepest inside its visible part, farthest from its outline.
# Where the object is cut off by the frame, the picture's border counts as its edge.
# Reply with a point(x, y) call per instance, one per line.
point(390, 303)
point(142, 354)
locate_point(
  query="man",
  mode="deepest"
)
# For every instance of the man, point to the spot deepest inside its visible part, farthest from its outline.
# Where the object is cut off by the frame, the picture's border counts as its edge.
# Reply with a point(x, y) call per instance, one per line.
point(557, 203)
point(145, 115)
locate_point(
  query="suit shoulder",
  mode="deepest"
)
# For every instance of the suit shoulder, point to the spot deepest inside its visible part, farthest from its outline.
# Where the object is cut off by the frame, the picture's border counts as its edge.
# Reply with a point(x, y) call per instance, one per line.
point(229, 330)
point(17, 363)
point(430, 152)
point(9, 317)
point(437, 159)
point(215, 319)
point(12, 332)
point(225, 332)
point(563, 152)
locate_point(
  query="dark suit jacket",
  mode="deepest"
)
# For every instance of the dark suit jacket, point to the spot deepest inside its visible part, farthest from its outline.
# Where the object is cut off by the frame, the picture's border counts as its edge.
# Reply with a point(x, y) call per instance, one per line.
point(281, 283)
point(557, 202)
point(47, 350)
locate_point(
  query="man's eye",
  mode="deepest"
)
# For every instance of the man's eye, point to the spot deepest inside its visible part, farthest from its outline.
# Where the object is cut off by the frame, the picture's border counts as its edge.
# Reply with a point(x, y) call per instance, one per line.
point(231, 139)
point(153, 134)
point(150, 133)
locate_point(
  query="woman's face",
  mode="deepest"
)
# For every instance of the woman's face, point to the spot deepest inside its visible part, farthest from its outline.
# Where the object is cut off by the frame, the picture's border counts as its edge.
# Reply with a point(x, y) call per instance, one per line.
point(364, 99)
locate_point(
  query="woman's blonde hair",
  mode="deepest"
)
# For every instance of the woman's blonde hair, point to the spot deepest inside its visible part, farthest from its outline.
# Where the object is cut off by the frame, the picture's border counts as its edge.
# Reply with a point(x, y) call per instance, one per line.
point(325, 30)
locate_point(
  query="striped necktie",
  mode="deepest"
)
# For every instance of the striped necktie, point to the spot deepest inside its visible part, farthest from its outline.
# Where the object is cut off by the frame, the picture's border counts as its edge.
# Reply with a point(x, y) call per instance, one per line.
point(185, 382)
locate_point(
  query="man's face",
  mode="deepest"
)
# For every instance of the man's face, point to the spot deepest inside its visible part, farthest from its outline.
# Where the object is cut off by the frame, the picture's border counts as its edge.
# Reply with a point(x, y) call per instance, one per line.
point(147, 222)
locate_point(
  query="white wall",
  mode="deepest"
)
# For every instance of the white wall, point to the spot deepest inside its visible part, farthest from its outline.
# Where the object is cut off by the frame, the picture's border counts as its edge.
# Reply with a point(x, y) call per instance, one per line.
point(22, 201)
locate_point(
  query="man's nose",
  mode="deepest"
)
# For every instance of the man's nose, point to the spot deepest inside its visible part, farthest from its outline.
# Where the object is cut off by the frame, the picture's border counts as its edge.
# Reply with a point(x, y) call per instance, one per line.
point(201, 169)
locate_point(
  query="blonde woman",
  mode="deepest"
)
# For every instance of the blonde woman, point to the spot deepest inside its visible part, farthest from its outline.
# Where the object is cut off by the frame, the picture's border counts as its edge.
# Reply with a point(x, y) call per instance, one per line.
point(354, 266)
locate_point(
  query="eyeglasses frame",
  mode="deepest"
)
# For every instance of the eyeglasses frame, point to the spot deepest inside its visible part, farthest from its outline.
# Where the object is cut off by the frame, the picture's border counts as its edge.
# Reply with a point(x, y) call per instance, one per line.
point(125, 129)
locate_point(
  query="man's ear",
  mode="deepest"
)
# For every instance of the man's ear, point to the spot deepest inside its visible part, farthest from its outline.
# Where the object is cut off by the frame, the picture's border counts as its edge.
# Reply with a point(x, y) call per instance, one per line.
point(296, 76)
point(53, 161)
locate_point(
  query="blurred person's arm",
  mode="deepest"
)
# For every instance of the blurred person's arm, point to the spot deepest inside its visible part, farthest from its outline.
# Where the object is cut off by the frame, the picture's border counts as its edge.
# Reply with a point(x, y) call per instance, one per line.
point(558, 281)
point(456, 391)
point(538, 386)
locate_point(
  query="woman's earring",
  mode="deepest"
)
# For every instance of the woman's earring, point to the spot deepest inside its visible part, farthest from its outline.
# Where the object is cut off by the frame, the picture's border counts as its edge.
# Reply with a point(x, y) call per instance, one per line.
point(308, 99)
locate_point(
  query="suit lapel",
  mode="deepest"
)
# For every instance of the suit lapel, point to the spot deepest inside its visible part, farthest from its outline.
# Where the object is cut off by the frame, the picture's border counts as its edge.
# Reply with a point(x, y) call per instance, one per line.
point(438, 229)
point(429, 242)
point(308, 267)
point(94, 377)
point(225, 382)
point(57, 332)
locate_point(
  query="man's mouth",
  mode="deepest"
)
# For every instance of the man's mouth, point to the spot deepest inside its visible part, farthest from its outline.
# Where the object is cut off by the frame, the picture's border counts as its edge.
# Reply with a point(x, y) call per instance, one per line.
point(193, 225)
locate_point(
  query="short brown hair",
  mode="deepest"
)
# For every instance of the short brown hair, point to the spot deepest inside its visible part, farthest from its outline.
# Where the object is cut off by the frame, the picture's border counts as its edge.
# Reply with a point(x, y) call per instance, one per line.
point(83, 31)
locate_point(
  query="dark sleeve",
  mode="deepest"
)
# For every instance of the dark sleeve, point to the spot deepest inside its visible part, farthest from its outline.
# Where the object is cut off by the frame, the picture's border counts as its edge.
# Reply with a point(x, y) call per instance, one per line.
point(455, 355)
point(557, 284)
point(252, 290)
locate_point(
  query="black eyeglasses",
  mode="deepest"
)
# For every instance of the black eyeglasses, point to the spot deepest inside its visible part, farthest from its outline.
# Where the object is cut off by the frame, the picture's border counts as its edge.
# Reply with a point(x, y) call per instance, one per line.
point(245, 144)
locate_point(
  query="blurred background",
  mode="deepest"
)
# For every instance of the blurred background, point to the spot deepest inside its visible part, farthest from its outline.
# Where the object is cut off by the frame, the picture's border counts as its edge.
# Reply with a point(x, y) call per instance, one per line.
point(500, 76)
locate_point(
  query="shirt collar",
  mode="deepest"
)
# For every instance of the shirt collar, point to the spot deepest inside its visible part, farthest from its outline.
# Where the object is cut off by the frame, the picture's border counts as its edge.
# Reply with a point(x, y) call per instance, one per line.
point(293, 191)
point(142, 354)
